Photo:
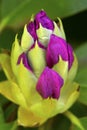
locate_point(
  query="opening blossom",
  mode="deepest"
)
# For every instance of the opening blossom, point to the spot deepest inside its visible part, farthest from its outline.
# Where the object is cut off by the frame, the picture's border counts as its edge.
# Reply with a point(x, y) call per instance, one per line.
point(40, 71)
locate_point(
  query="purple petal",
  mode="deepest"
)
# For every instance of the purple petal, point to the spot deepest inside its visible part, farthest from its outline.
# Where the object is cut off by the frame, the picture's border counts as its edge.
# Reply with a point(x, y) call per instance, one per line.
point(31, 29)
point(45, 21)
point(70, 56)
point(24, 60)
point(49, 84)
point(56, 47)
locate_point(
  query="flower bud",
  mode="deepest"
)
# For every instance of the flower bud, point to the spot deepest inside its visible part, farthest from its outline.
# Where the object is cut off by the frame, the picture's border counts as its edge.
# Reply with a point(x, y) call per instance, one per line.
point(40, 72)
point(26, 38)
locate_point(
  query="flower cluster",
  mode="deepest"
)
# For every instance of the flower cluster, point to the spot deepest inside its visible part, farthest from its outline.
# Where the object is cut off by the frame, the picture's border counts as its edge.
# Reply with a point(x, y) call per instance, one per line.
point(40, 71)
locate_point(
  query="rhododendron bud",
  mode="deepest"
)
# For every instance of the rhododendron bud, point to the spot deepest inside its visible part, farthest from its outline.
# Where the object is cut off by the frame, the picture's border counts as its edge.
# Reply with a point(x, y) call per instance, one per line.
point(40, 72)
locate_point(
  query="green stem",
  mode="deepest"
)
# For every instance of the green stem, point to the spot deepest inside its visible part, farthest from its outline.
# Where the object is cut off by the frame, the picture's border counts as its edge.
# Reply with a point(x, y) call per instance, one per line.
point(2, 120)
point(15, 125)
point(74, 119)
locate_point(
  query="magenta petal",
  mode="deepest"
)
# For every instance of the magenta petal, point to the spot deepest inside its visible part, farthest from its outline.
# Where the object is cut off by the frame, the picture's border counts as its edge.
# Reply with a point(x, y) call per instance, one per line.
point(24, 60)
point(70, 56)
point(32, 30)
point(45, 21)
point(49, 84)
point(56, 47)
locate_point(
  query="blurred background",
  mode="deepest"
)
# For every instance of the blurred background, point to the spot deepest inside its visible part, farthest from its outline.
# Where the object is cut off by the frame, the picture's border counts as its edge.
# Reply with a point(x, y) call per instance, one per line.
point(14, 14)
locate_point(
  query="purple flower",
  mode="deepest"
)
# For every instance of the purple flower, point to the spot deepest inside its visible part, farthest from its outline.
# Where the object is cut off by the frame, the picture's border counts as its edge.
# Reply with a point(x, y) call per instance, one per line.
point(40, 72)
point(40, 59)
point(44, 20)
point(58, 47)
point(49, 84)
point(70, 56)
point(32, 30)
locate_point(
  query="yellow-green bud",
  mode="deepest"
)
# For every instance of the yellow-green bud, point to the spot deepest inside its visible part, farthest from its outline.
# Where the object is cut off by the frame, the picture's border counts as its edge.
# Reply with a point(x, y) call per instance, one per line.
point(40, 72)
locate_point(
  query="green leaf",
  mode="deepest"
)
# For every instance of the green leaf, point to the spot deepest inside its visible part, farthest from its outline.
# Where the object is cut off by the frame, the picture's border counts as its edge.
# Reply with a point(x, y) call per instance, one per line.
point(7, 126)
point(83, 94)
point(18, 11)
point(84, 123)
point(0, 10)
point(79, 109)
point(81, 53)
point(6, 39)
point(81, 77)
